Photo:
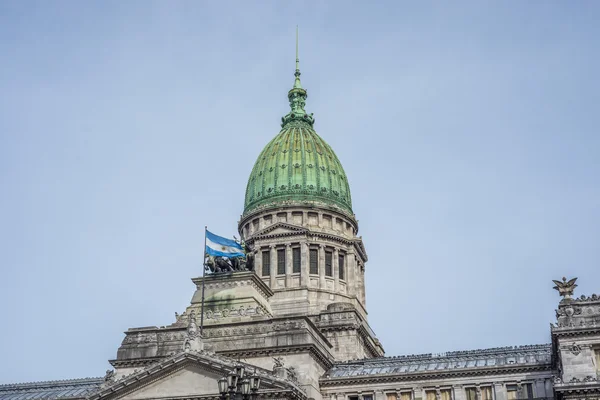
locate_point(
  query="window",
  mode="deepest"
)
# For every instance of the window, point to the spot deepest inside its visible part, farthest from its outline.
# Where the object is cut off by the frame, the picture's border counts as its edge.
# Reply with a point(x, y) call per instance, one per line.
point(511, 392)
point(471, 393)
point(266, 263)
point(341, 267)
point(446, 394)
point(430, 395)
point(281, 262)
point(597, 354)
point(392, 396)
point(368, 397)
point(296, 260)
point(486, 393)
point(352, 397)
point(328, 263)
point(314, 261)
point(405, 396)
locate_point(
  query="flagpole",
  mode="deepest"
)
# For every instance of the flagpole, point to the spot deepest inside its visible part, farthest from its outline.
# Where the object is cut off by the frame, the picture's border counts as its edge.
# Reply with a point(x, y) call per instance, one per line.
point(203, 279)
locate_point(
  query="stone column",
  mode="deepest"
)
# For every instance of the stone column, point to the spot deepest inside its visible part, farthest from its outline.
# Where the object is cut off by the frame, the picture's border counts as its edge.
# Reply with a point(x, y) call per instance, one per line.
point(549, 388)
point(458, 393)
point(288, 265)
point(336, 270)
point(304, 218)
point(258, 261)
point(499, 392)
point(322, 283)
point(539, 390)
point(273, 280)
point(320, 220)
point(351, 271)
point(304, 262)
point(418, 393)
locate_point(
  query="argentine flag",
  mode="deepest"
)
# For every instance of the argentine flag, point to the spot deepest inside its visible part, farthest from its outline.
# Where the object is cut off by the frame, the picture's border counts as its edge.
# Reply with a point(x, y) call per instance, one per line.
point(218, 246)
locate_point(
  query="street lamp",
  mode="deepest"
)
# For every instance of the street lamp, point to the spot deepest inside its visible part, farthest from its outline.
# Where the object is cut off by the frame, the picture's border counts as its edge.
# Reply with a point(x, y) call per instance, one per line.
point(236, 385)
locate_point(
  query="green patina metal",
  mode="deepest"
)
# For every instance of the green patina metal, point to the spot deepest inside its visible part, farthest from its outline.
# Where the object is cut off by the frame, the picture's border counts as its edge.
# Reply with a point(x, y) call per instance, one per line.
point(297, 165)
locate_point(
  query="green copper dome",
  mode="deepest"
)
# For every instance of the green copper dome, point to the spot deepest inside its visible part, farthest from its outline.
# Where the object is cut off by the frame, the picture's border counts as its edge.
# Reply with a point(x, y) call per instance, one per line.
point(297, 166)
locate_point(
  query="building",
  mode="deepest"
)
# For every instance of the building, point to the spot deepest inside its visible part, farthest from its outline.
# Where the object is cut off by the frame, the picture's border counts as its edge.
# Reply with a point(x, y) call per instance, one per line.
point(298, 319)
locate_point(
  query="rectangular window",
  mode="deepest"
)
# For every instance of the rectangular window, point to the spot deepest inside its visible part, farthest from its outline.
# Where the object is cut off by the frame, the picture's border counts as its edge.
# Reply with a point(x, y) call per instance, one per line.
point(486, 393)
point(430, 395)
point(367, 397)
point(352, 397)
point(328, 263)
point(281, 262)
point(391, 396)
point(597, 353)
point(471, 393)
point(296, 260)
point(446, 394)
point(314, 261)
point(341, 267)
point(511, 392)
point(405, 396)
point(266, 263)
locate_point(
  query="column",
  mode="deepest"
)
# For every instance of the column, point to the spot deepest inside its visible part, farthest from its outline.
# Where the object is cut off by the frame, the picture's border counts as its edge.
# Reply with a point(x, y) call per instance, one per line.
point(499, 392)
point(322, 283)
point(549, 388)
point(418, 393)
point(304, 262)
point(304, 218)
point(273, 280)
point(538, 388)
point(288, 264)
point(351, 271)
point(258, 261)
point(336, 270)
point(320, 220)
point(458, 393)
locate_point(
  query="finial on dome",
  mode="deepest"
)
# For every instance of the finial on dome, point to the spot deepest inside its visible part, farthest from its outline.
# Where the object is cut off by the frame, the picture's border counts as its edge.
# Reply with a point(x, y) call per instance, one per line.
point(297, 97)
point(297, 84)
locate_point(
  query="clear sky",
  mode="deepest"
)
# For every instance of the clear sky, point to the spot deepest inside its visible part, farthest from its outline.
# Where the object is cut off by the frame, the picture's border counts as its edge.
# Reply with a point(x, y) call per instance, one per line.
point(468, 130)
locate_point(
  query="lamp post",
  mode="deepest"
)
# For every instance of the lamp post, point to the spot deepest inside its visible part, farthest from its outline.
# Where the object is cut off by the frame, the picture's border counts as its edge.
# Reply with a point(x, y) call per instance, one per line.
point(236, 385)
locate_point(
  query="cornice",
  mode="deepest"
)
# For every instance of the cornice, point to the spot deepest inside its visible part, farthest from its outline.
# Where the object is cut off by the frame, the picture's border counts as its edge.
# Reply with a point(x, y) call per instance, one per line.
point(431, 375)
point(312, 349)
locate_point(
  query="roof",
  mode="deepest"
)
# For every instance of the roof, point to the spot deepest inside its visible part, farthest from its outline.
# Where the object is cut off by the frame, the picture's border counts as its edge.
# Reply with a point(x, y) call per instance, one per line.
point(297, 166)
point(48, 390)
point(450, 361)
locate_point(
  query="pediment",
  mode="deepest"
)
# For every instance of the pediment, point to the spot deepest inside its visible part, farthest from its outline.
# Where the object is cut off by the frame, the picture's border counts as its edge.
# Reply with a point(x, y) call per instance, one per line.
point(280, 228)
point(187, 375)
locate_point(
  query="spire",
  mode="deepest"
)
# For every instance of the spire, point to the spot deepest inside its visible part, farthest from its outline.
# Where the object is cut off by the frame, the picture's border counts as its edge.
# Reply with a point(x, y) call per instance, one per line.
point(297, 97)
point(297, 84)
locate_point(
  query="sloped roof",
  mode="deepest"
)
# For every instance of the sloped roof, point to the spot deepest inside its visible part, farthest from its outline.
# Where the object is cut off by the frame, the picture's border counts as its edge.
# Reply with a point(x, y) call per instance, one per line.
point(49, 390)
point(532, 355)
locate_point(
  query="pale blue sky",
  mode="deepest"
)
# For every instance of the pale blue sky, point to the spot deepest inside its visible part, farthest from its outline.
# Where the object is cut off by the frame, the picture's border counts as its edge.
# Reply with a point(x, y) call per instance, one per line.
point(468, 131)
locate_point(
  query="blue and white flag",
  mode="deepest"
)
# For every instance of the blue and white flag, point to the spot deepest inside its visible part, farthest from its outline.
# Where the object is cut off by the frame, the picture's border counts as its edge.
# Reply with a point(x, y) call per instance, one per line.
point(218, 246)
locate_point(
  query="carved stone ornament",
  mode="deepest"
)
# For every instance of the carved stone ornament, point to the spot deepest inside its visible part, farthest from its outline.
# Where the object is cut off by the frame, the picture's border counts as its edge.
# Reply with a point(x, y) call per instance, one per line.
point(110, 376)
point(565, 288)
point(575, 349)
point(277, 362)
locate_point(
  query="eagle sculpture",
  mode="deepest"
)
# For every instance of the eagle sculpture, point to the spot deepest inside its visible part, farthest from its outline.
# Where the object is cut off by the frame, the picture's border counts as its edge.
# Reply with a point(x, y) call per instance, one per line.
point(565, 288)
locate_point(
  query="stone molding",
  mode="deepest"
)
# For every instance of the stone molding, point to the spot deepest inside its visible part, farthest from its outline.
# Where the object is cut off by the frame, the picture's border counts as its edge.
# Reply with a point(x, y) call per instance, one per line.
point(202, 360)
point(433, 375)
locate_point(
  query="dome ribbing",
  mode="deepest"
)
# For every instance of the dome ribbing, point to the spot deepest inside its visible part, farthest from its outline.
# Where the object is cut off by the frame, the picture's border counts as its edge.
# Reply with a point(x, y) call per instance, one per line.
point(297, 166)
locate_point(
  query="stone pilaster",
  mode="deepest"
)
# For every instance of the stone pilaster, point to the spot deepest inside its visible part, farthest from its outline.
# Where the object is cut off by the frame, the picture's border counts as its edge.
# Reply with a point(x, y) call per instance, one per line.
point(304, 261)
point(336, 270)
point(458, 392)
point(351, 270)
point(498, 391)
point(322, 283)
point(273, 280)
point(288, 264)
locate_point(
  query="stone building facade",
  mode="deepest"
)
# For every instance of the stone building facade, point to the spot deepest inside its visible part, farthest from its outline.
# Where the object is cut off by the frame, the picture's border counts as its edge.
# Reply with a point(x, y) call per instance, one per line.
point(298, 320)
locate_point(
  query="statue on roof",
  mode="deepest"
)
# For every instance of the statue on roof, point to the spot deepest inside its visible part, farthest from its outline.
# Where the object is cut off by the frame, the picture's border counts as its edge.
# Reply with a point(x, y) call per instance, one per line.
point(565, 288)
